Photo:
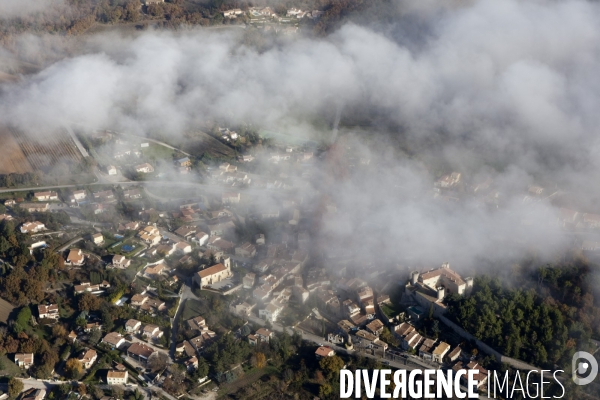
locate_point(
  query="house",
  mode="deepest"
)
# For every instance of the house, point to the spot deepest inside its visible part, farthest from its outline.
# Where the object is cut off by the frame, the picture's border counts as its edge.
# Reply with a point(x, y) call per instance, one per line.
point(231, 198)
point(191, 364)
point(154, 271)
point(211, 275)
point(114, 340)
point(591, 220)
point(10, 203)
point(88, 287)
point(536, 190)
point(454, 354)
point(411, 340)
point(246, 250)
point(248, 280)
point(375, 327)
point(144, 168)
point(32, 227)
point(24, 360)
point(104, 195)
point(481, 374)
point(6, 217)
point(72, 336)
point(264, 335)
point(150, 235)
point(130, 226)
point(35, 207)
point(448, 181)
point(217, 244)
point(111, 170)
point(78, 196)
point(117, 377)
point(140, 351)
point(88, 358)
point(373, 339)
point(166, 250)
point(202, 340)
point(98, 238)
point(152, 331)
point(426, 349)
point(197, 324)
point(132, 194)
point(440, 352)
point(132, 326)
point(244, 308)
point(324, 351)
point(75, 257)
point(183, 247)
point(431, 287)
point(31, 394)
point(186, 231)
point(153, 305)
point(91, 326)
point(200, 238)
point(120, 261)
point(184, 162)
point(138, 300)
point(45, 196)
point(270, 312)
point(232, 13)
point(220, 228)
point(49, 311)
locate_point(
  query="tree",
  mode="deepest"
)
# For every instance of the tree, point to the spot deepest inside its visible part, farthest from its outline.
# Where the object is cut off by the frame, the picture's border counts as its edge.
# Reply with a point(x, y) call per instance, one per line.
point(15, 386)
point(157, 361)
point(261, 360)
point(88, 302)
point(202, 369)
point(95, 335)
point(331, 366)
point(73, 368)
point(23, 319)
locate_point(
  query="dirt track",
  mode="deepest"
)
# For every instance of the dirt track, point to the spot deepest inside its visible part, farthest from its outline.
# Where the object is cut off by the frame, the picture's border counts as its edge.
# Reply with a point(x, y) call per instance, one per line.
point(12, 159)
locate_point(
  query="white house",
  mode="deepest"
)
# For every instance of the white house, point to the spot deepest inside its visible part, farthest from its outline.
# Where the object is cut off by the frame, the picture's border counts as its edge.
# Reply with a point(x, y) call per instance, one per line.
point(270, 312)
point(200, 238)
point(117, 377)
point(144, 168)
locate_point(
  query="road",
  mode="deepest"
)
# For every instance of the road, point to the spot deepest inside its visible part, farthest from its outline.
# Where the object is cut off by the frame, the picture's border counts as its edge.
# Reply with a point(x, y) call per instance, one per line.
point(66, 246)
point(77, 142)
point(186, 293)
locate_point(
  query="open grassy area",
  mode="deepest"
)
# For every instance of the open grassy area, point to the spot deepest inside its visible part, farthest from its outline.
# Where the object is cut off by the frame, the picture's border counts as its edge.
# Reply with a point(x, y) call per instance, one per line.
point(390, 310)
point(9, 368)
point(192, 308)
point(247, 379)
point(157, 152)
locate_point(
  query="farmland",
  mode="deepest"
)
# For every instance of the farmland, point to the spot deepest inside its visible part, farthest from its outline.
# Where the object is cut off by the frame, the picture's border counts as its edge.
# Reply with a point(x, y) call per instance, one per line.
point(57, 146)
point(12, 158)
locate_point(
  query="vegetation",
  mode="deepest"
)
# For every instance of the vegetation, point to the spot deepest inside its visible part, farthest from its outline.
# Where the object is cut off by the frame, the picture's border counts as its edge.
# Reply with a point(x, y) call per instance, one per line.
point(542, 324)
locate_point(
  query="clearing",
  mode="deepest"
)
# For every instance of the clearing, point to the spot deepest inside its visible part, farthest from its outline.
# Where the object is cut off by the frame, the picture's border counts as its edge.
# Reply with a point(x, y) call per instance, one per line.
point(12, 158)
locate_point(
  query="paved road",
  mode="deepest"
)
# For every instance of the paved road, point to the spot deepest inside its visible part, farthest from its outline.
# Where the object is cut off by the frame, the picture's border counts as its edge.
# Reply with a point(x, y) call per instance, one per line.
point(63, 248)
point(77, 142)
point(186, 294)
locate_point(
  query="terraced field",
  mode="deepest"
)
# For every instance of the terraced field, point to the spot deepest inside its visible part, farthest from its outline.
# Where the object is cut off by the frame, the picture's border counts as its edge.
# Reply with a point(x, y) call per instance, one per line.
point(43, 151)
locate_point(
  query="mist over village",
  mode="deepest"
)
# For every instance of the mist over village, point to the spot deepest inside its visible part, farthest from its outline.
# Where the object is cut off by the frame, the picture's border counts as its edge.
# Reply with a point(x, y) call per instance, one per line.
point(226, 199)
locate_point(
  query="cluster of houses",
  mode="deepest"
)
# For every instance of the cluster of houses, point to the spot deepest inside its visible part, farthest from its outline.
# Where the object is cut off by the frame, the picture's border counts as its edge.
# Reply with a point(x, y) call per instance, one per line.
point(195, 346)
point(267, 13)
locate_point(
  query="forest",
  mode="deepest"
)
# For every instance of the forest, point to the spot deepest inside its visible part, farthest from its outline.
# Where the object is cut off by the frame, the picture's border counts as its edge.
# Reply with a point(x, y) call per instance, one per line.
point(543, 321)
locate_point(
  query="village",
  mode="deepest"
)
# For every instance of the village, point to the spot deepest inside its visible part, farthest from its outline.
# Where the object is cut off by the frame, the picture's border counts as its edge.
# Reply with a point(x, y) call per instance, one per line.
point(150, 279)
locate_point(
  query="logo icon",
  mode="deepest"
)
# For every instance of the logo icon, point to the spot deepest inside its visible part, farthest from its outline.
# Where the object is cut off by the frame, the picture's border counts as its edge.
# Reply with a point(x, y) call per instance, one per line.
point(585, 368)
